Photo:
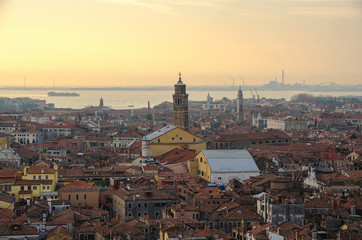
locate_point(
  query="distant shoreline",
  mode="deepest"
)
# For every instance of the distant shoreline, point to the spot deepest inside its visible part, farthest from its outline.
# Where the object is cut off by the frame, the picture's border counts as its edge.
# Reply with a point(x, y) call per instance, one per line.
point(307, 88)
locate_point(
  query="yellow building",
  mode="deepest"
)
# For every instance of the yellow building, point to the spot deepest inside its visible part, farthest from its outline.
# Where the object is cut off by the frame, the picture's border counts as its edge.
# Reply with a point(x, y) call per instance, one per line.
point(6, 201)
point(41, 173)
point(34, 182)
point(5, 140)
point(220, 166)
point(168, 138)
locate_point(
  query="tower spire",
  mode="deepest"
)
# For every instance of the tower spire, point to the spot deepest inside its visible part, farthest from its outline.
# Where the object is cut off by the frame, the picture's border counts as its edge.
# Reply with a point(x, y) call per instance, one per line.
point(179, 77)
point(180, 105)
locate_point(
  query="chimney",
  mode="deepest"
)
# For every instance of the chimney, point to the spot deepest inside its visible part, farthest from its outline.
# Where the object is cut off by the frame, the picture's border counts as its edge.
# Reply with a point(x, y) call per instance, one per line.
point(50, 204)
point(265, 207)
point(117, 183)
point(44, 218)
point(353, 210)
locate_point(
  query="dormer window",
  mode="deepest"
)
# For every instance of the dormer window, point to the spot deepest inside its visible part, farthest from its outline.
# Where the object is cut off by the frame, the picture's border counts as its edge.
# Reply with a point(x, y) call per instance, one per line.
point(16, 227)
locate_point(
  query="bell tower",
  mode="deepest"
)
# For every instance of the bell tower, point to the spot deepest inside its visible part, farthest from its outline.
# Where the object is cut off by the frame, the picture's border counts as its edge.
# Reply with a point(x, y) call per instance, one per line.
point(240, 106)
point(180, 105)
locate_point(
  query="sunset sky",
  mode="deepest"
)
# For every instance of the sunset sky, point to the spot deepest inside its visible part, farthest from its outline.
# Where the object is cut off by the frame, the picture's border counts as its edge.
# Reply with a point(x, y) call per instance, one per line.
point(147, 42)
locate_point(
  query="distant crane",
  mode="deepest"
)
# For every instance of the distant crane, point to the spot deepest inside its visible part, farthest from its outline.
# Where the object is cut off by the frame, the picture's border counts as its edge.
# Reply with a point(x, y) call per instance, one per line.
point(252, 94)
point(257, 95)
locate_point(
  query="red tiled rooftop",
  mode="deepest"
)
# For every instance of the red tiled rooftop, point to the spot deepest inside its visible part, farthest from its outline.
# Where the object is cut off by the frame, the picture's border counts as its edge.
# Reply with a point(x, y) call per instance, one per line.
point(78, 185)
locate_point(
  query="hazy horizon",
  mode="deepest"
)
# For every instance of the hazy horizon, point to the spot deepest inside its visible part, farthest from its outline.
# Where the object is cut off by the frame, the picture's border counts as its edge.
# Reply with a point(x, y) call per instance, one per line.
point(133, 43)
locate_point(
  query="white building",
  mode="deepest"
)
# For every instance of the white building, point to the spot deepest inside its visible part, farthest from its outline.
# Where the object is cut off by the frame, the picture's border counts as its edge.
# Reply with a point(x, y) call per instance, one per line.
point(28, 136)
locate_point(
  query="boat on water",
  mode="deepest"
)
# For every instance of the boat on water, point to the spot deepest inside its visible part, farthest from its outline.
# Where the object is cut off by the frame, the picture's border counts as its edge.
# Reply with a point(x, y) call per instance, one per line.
point(62, 94)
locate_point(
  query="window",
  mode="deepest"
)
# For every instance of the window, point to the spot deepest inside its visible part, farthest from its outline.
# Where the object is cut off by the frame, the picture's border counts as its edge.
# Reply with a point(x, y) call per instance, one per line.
point(130, 214)
point(201, 159)
point(138, 214)
point(43, 187)
point(29, 187)
point(129, 205)
point(211, 225)
point(180, 138)
point(39, 177)
point(22, 188)
point(202, 173)
point(219, 178)
point(194, 140)
point(8, 188)
point(76, 197)
point(139, 205)
point(158, 140)
point(146, 230)
point(221, 225)
point(34, 177)
point(199, 172)
point(145, 205)
point(35, 187)
point(69, 197)
point(46, 177)
point(85, 196)
point(48, 187)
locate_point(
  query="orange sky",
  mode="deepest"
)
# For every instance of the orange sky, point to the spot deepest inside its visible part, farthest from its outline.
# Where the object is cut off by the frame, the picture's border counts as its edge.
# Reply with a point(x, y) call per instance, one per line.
point(147, 42)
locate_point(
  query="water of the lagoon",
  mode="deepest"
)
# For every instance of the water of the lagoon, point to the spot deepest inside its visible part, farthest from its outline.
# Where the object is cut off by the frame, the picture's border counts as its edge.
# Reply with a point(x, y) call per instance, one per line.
point(122, 99)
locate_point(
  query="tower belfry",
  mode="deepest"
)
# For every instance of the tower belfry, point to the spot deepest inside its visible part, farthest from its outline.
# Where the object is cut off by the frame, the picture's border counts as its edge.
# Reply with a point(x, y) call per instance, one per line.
point(240, 106)
point(180, 105)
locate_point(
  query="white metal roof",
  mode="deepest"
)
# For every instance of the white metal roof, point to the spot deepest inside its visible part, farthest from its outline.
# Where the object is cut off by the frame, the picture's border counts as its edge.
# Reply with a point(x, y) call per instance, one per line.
point(158, 133)
point(238, 160)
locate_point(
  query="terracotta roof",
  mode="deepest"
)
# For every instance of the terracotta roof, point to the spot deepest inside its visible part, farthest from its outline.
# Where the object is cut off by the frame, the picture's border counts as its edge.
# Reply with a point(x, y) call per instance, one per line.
point(32, 182)
point(317, 203)
point(7, 172)
point(78, 185)
point(63, 218)
point(150, 168)
point(40, 169)
point(16, 228)
point(6, 213)
point(59, 230)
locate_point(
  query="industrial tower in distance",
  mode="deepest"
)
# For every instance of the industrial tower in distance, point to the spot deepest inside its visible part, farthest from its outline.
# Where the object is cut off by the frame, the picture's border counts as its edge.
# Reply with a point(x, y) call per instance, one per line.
point(180, 105)
point(240, 106)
